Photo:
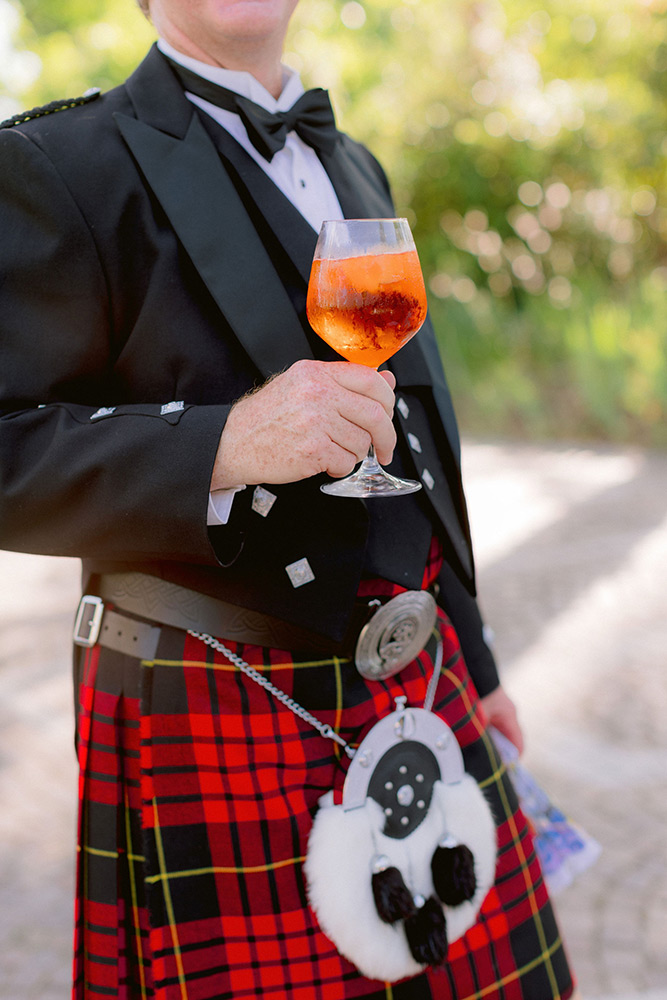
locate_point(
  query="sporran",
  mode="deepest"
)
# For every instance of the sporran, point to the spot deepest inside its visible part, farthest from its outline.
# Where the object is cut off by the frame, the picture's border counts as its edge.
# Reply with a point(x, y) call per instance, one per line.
point(399, 867)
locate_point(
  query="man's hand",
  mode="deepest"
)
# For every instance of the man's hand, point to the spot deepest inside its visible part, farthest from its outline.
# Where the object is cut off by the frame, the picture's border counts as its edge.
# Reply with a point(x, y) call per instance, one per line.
point(500, 712)
point(315, 417)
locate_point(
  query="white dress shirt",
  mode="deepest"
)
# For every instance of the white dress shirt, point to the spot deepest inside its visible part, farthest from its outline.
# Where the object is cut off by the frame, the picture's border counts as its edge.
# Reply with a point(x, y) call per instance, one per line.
point(296, 170)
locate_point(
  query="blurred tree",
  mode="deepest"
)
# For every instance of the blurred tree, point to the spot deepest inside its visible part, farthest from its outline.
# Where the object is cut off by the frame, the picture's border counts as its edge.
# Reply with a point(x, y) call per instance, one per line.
point(527, 146)
point(60, 48)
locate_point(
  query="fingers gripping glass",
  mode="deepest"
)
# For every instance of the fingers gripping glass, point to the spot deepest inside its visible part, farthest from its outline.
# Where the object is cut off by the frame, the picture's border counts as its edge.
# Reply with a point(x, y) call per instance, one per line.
point(366, 299)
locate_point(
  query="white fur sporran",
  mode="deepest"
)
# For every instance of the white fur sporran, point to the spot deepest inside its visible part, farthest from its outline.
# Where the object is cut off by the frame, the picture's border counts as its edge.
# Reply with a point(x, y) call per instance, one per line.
point(400, 868)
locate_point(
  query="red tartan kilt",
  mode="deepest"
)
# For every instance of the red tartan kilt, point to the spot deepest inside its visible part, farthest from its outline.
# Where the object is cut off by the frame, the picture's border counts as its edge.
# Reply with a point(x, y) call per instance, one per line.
point(198, 790)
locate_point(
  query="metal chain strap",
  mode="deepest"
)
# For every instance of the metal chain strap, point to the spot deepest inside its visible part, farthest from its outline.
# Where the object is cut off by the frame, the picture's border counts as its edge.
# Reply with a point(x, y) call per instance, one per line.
point(323, 728)
point(254, 675)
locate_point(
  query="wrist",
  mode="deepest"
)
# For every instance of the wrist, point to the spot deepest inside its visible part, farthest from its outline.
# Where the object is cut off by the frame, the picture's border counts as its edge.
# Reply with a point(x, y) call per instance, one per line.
point(228, 473)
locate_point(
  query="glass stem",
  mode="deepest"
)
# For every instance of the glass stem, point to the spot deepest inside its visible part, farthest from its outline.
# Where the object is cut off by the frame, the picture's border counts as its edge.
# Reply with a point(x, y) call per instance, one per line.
point(370, 464)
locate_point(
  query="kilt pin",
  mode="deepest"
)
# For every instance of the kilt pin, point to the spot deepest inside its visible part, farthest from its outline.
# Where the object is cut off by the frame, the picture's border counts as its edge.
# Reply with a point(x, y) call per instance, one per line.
point(198, 791)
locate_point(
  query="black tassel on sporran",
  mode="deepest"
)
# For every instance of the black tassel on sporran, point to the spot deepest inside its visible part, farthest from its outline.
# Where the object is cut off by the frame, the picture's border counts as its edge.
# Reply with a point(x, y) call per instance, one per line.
point(426, 931)
point(393, 899)
point(453, 871)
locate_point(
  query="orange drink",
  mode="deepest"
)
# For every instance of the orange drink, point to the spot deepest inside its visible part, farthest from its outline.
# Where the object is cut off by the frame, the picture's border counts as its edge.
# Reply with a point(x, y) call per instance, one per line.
point(366, 298)
point(367, 307)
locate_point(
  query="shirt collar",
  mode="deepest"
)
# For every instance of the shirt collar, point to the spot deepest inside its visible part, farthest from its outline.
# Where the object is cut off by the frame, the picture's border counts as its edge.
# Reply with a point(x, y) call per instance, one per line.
point(241, 82)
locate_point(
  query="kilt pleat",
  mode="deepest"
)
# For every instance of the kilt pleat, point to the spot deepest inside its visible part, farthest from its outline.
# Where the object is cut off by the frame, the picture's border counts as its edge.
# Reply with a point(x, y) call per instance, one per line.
point(197, 795)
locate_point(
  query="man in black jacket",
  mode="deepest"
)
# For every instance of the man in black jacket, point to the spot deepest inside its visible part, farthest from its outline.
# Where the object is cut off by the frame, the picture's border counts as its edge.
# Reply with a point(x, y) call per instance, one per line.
point(168, 416)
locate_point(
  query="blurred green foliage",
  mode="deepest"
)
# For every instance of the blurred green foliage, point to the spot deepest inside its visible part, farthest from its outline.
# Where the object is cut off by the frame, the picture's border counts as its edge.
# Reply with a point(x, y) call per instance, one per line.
point(527, 144)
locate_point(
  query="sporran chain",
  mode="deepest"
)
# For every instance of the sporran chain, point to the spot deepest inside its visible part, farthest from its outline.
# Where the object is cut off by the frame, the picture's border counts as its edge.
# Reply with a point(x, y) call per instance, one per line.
point(254, 675)
point(322, 728)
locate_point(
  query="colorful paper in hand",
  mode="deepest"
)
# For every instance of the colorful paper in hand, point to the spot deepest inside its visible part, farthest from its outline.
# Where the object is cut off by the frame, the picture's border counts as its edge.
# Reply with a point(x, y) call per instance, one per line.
point(564, 849)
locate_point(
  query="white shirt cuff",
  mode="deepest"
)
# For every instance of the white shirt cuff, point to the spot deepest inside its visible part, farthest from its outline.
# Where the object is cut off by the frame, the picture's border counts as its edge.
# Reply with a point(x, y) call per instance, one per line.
point(220, 505)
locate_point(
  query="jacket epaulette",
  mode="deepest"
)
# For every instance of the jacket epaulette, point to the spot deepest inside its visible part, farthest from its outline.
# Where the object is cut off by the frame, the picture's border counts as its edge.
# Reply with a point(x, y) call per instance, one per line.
point(49, 109)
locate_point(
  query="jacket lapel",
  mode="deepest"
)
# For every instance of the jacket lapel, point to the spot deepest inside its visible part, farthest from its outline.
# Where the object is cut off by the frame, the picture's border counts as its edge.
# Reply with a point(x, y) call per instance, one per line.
point(295, 235)
point(182, 167)
point(356, 185)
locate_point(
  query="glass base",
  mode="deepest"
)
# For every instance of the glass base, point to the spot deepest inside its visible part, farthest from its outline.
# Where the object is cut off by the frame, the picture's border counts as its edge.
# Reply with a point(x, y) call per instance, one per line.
point(370, 480)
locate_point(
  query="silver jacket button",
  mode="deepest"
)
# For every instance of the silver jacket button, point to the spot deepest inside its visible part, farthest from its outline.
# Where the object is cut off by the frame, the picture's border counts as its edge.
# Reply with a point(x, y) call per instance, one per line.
point(263, 500)
point(299, 572)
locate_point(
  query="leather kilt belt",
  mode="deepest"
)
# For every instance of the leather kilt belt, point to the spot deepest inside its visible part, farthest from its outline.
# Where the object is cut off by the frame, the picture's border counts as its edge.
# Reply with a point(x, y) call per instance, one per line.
point(382, 637)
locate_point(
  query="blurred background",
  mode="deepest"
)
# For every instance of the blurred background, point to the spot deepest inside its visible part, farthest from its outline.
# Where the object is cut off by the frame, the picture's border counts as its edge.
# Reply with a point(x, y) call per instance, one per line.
point(526, 141)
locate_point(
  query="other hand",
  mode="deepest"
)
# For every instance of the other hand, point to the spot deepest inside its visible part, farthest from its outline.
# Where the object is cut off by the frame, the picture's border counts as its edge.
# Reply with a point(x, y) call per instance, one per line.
point(501, 712)
point(315, 417)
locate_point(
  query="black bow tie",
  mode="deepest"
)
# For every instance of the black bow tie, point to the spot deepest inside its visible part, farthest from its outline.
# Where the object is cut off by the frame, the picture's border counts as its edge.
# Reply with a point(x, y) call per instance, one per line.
point(311, 117)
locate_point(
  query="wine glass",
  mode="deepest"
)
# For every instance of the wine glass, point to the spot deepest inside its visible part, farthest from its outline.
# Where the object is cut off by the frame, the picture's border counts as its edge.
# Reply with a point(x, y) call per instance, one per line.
point(366, 299)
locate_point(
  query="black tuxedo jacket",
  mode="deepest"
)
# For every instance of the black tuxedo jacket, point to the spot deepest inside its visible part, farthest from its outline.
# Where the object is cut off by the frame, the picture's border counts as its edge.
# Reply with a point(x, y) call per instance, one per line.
point(150, 274)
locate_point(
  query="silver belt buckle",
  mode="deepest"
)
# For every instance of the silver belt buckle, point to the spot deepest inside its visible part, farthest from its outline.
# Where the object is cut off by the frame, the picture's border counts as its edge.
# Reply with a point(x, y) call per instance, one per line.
point(88, 621)
point(395, 635)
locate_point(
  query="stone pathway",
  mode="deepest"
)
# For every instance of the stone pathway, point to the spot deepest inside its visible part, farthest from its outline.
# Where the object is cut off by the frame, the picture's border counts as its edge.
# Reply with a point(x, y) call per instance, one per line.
point(37, 776)
point(572, 560)
point(572, 553)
